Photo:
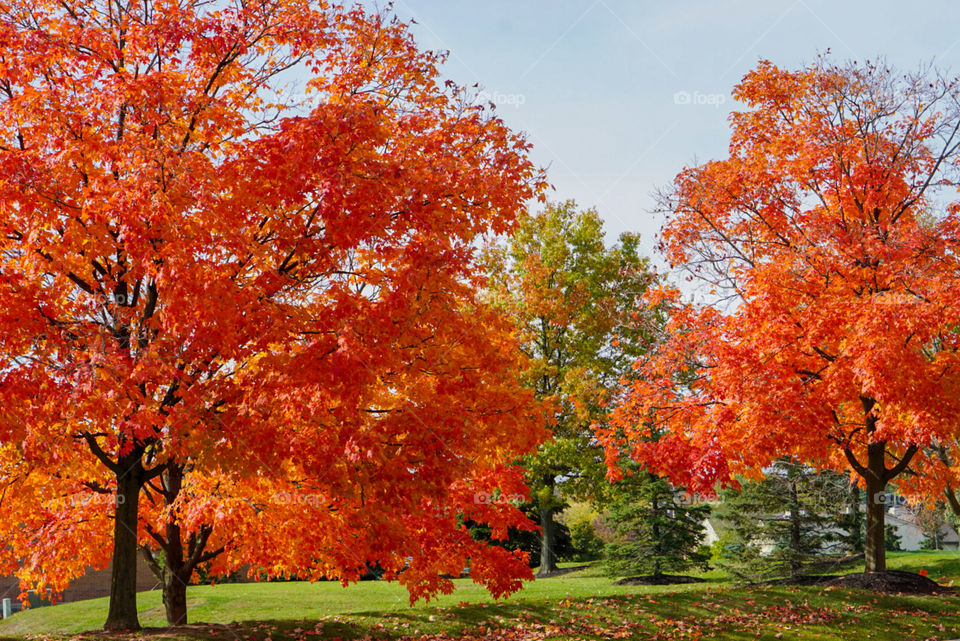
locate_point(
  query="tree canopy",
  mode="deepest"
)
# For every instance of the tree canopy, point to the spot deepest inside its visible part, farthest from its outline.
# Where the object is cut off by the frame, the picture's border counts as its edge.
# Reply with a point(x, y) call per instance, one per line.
point(212, 284)
point(829, 240)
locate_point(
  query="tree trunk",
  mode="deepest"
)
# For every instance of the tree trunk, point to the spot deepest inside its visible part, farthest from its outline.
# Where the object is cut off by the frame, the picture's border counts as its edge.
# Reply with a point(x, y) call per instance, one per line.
point(951, 495)
point(875, 549)
point(175, 599)
point(122, 613)
point(175, 573)
point(180, 558)
point(174, 586)
point(548, 558)
point(876, 476)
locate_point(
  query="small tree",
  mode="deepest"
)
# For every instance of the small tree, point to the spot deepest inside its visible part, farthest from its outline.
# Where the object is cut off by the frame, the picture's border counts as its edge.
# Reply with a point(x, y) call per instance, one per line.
point(891, 540)
point(658, 529)
point(932, 520)
point(581, 518)
point(778, 525)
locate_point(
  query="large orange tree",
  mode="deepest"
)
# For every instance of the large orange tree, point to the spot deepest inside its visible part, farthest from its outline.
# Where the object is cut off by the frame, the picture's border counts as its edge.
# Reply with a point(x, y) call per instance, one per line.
point(828, 241)
point(237, 298)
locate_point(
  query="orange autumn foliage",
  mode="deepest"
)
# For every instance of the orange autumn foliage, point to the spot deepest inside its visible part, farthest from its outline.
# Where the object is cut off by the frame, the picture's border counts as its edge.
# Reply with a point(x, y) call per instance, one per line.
point(829, 239)
point(274, 290)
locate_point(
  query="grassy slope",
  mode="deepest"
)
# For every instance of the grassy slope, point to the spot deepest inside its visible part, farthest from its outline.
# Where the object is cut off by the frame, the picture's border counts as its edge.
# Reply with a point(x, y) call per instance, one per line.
point(576, 599)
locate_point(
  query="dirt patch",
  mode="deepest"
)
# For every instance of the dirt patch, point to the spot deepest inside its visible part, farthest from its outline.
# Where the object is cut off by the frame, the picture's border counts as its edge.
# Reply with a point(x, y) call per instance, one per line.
point(562, 571)
point(661, 579)
point(890, 581)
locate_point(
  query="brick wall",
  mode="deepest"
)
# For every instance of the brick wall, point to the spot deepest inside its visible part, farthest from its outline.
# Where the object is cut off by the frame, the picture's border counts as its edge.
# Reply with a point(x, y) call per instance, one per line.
point(92, 585)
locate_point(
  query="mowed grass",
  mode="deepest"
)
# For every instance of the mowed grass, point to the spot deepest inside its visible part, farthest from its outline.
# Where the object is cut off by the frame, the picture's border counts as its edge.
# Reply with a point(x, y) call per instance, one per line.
point(579, 605)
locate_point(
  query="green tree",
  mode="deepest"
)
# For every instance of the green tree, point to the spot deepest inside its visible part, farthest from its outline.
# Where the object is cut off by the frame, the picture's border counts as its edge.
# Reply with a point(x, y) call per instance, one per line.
point(581, 518)
point(777, 526)
point(852, 521)
point(574, 302)
point(658, 528)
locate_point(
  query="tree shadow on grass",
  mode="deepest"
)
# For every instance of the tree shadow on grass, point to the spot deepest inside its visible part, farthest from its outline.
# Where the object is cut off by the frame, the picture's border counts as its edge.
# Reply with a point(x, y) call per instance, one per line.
point(732, 613)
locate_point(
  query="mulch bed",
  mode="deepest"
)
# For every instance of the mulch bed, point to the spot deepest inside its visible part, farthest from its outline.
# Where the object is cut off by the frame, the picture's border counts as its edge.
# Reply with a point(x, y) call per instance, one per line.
point(662, 579)
point(890, 581)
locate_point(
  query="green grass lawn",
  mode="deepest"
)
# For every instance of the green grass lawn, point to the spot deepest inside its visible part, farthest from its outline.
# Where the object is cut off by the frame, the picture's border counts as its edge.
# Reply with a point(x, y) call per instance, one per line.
point(579, 605)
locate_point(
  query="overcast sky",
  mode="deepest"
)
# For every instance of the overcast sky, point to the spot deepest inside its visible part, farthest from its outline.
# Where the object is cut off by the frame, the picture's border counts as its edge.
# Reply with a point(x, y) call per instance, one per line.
point(594, 83)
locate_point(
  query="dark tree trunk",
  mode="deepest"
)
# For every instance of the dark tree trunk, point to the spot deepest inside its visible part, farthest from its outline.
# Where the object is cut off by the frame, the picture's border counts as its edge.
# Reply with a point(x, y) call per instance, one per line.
point(122, 613)
point(876, 476)
point(175, 570)
point(875, 549)
point(180, 558)
point(171, 582)
point(173, 573)
point(951, 495)
point(174, 583)
point(548, 557)
point(175, 599)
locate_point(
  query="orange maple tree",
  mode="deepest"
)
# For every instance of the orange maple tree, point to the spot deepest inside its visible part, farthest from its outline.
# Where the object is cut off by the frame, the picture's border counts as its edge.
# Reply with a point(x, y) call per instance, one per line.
point(239, 322)
point(829, 240)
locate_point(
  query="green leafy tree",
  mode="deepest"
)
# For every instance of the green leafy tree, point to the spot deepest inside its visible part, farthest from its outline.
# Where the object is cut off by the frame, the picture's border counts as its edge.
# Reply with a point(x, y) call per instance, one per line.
point(658, 528)
point(581, 518)
point(574, 302)
point(781, 524)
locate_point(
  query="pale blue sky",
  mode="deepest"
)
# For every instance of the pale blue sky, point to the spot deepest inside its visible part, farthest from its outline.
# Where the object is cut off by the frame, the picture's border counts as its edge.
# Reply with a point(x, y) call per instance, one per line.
point(593, 82)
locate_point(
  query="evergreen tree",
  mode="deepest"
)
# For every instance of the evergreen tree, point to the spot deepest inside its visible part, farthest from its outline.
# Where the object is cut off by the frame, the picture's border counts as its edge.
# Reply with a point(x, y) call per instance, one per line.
point(852, 522)
point(891, 540)
point(777, 526)
point(658, 529)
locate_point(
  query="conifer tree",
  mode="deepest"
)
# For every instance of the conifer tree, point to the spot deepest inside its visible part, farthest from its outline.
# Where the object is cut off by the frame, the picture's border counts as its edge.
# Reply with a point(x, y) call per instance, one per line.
point(658, 528)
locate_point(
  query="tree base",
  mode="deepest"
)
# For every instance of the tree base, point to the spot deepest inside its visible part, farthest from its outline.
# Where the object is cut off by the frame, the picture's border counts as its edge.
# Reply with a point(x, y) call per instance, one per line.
point(890, 581)
point(660, 579)
point(122, 627)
